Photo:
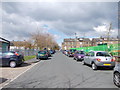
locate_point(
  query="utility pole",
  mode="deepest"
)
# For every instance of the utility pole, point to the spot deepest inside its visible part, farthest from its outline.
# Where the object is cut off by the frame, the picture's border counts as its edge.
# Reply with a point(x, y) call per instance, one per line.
point(108, 33)
point(75, 40)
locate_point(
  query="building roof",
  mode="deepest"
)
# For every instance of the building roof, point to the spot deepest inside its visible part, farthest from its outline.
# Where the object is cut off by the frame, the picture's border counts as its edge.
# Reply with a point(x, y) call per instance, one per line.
point(5, 41)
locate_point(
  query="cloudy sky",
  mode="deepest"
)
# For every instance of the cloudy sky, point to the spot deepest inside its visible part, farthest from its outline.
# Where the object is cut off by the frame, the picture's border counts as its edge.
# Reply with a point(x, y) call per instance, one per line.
point(61, 19)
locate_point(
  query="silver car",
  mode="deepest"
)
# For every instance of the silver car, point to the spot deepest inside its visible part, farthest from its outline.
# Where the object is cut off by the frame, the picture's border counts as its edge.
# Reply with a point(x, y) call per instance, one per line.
point(99, 58)
point(116, 74)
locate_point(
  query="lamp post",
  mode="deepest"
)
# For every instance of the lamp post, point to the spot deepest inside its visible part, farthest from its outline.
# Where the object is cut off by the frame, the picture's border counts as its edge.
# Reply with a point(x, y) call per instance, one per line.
point(75, 40)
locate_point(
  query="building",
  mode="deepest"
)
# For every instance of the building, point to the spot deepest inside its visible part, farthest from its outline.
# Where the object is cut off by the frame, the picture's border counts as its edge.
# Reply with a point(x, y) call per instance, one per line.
point(86, 42)
point(69, 43)
point(4, 44)
point(96, 41)
point(75, 43)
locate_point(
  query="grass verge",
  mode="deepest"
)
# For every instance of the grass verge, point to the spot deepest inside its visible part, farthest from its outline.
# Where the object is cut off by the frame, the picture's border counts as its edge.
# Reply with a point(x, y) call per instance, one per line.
point(29, 57)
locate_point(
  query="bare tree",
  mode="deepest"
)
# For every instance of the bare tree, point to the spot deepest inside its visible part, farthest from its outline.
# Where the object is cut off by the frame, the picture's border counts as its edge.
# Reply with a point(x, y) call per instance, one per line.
point(43, 40)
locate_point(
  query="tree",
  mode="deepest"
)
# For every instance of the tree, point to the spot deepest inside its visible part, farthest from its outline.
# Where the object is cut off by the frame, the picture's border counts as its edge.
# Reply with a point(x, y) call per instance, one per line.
point(43, 40)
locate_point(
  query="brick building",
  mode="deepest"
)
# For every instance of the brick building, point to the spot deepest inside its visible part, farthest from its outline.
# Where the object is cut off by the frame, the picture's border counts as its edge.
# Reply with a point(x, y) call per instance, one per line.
point(85, 42)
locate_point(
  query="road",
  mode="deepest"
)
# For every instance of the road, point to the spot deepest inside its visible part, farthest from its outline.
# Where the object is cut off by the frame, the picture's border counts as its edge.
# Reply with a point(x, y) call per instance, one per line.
point(63, 72)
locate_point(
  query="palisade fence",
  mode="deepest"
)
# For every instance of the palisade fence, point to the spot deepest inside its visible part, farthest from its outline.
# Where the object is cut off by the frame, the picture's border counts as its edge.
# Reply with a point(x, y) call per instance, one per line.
point(114, 49)
point(26, 52)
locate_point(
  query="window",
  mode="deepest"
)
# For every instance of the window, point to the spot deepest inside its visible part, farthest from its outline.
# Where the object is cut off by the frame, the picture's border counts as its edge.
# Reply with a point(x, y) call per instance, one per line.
point(87, 54)
point(91, 54)
point(103, 54)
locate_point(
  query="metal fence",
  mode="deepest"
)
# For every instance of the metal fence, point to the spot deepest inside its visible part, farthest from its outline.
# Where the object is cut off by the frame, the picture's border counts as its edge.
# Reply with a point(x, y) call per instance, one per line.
point(114, 49)
point(26, 52)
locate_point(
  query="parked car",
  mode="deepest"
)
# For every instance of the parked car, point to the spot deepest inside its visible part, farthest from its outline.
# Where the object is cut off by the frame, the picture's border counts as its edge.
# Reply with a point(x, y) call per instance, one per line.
point(52, 51)
point(79, 55)
point(64, 52)
point(99, 59)
point(71, 53)
point(48, 52)
point(116, 73)
point(42, 55)
point(11, 58)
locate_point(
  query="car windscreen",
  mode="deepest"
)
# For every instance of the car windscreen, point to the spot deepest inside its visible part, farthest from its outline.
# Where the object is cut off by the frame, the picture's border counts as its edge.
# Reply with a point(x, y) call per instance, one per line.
point(103, 54)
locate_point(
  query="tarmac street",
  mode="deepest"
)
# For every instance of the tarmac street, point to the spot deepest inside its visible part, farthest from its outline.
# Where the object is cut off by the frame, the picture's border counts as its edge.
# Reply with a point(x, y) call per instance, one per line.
point(61, 71)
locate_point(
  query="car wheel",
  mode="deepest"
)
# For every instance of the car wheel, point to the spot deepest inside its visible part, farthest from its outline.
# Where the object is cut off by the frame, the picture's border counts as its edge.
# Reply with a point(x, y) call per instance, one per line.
point(13, 64)
point(77, 59)
point(94, 67)
point(83, 63)
point(116, 79)
point(74, 58)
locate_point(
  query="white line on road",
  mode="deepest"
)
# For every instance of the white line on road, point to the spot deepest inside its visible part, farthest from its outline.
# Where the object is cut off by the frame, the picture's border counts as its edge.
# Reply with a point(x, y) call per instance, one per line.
point(18, 75)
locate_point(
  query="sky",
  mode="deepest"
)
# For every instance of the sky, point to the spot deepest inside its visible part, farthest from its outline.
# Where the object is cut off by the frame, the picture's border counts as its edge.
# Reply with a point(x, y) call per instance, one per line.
point(61, 19)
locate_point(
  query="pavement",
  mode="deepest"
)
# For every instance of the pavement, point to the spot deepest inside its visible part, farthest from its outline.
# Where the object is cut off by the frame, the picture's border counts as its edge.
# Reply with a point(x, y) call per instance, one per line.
point(7, 74)
point(61, 71)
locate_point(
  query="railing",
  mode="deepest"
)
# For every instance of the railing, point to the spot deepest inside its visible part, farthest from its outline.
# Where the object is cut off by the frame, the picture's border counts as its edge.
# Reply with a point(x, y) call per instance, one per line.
point(26, 52)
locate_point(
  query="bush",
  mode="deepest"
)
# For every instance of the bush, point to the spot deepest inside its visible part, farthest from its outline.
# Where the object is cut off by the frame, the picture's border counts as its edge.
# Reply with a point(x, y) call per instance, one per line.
point(29, 57)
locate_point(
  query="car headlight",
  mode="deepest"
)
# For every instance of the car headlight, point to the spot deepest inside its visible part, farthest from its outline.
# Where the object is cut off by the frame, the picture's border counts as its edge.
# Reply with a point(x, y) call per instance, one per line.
point(79, 56)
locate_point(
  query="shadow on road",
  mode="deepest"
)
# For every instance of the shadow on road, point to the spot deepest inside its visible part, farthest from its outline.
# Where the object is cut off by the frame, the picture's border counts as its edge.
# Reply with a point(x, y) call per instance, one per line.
point(25, 64)
point(46, 59)
point(3, 80)
point(102, 68)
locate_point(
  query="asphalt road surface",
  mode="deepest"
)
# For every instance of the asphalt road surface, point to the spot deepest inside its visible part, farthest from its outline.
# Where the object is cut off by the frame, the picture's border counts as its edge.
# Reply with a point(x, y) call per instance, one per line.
point(63, 72)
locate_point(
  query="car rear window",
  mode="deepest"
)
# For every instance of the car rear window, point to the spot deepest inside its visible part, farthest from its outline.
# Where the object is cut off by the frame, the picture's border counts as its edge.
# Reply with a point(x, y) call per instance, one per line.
point(103, 54)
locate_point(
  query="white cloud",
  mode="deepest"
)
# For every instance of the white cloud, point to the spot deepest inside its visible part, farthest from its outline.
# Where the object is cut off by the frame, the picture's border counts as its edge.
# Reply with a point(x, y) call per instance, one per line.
point(103, 30)
point(57, 37)
point(100, 28)
point(20, 19)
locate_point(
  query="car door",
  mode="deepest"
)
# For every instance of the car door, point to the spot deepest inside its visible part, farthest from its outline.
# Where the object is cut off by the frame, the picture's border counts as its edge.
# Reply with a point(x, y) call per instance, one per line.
point(75, 54)
point(0, 58)
point(6, 58)
point(86, 58)
point(91, 57)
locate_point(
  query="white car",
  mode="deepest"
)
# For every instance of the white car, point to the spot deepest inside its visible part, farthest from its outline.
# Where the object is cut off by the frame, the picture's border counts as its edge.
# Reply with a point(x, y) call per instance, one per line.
point(99, 59)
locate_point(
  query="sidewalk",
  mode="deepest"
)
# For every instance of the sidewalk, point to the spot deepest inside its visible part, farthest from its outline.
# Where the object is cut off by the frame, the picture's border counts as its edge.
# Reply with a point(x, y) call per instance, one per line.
point(34, 60)
point(7, 74)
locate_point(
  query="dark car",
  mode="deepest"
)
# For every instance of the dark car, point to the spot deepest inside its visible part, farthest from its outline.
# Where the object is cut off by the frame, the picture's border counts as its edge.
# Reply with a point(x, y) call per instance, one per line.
point(52, 51)
point(42, 55)
point(79, 55)
point(11, 58)
point(71, 53)
point(48, 52)
point(116, 73)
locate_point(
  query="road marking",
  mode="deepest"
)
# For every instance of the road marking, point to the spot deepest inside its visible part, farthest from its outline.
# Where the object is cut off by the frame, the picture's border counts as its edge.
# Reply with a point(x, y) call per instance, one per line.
point(18, 76)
